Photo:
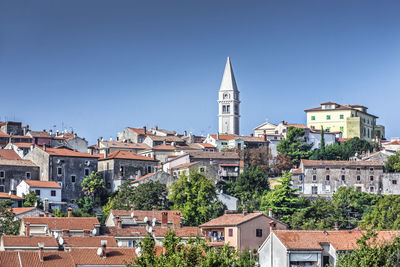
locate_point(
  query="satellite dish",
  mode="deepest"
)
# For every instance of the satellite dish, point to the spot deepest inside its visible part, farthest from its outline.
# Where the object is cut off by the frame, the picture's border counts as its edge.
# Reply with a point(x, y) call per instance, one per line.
point(94, 231)
point(146, 219)
point(55, 234)
point(150, 229)
point(120, 244)
point(154, 220)
point(138, 251)
point(100, 252)
point(61, 241)
point(132, 215)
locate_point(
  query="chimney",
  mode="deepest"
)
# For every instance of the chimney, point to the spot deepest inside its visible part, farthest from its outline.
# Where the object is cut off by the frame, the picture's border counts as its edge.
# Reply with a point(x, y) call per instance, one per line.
point(185, 133)
point(156, 127)
point(103, 248)
point(105, 152)
point(46, 205)
point(91, 151)
point(251, 135)
point(145, 129)
point(41, 253)
point(32, 147)
point(217, 136)
point(133, 211)
point(44, 147)
point(118, 222)
point(265, 137)
point(164, 218)
point(270, 212)
point(244, 212)
point(98, 142)
point(27, 229)
point(69, 212)
point(336, 226)
point(46, 214)
point(272, 226)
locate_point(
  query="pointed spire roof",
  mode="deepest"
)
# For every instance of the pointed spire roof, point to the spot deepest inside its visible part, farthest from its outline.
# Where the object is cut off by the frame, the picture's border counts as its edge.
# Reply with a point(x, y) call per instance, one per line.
point(228, 80)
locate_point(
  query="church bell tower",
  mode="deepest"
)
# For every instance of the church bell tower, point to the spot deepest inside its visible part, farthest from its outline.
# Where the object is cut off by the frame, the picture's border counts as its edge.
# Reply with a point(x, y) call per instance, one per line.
point(228, 103)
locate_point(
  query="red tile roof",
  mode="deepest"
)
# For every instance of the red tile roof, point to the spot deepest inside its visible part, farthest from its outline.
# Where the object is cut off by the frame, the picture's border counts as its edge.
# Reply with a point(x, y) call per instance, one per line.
point(9, 154)
point(140, 131)
point(120, 154)
point(393, 143)
point(232, 219)
point(18, 211)
point(214, 155)
point(22, 145)
point(174, 216)
point(164, 147)
point(17, 162)
point(39, 134)
point(114, 256)
point(186, 231)
point(88, 242)
point(206, 145)
point(42, 184)
point(166, 138)
point(297, 171)
point(9, 259)
point(3, 134)
point(64, 223)
point(66, 152)
point(225, 137)
point(132, 231)
point(340, 240)
point(185, 165)
point(323, 163)
point(116, 144)
point(29, 241)
point(50, 259)
point(296, 125)
point(6, 195)
point(340, 107)
point(143, 177)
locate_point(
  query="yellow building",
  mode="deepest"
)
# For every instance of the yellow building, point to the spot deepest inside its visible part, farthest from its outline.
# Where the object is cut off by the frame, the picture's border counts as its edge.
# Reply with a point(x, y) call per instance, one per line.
point(350, 120)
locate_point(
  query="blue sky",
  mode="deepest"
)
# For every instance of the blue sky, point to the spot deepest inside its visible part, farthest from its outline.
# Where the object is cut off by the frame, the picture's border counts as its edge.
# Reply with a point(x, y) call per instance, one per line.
point(99, 66)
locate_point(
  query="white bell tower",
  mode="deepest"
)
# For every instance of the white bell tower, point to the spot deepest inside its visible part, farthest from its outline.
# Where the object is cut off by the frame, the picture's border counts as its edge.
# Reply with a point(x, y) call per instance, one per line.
point(228, 103)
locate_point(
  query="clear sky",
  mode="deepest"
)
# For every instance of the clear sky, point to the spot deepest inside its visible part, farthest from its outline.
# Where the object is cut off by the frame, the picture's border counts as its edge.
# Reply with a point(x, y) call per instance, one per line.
point(99, 66)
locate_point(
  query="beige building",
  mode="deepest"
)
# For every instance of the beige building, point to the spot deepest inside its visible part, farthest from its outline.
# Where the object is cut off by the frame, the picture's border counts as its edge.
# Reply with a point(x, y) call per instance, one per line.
point(350, 120)
point(240, 230)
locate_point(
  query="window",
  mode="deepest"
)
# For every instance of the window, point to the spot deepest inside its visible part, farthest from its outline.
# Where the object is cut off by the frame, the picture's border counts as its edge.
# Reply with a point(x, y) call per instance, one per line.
point(358, 178)
point(343, 178)
point(327, 168)
point(343, 168)
point(394, 181)
point(28, 175)
point(300, 188)
point(371, 178)
point(37, 191)
point(371, 169)
point(314, 177)
point(131, 243)
point(87, 172)
point(2, 188)
point(148, 169)
point(108, 185)
point(358, 188)
point(328, 117)
point(2, 181)
point(202, 169)
point(300, 178)
point(230, 232)
point(358, 169)
point(314, 169)
point(228, 109)
point(314, 190)
point(341, 116)
point(53, 193)
point(2, 174)
point(59, 170)
point(327, 177)
point(371, 189)
point(258, 232)
point(313, 118)
point(73, 178)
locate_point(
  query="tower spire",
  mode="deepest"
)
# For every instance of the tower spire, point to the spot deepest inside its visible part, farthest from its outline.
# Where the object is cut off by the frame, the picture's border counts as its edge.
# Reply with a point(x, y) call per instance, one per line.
point(228, 80)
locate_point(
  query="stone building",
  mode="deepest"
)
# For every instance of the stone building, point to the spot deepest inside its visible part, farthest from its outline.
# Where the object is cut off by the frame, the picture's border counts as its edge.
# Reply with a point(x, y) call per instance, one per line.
point(66, 167)
point(71, 141)
point(324, 177)
point(120, 166)
point(133, 135)
point(13, 170)
point(40, 138)
point(155, 140)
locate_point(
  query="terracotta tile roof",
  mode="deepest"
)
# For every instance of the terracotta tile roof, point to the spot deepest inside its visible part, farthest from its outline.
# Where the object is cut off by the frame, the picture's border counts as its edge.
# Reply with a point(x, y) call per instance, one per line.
point(140, 131)
point(340, 240)
point(132, 231)
point(66, 152)
point(121, 154)
point(174, 216)
point(42, 184)
point(186, 231)
point(343, 139)
point(185, 165)
point(9, 154)
point(18, 211)
point(64, 223)
point(114, 256)
point(213, 155)
point(17, 162)
point(323, 163)
point(64, 136)
point(88, 242)
point(50, 259)
point(3, 134)
point(392, 143)
point(205, 145)
point(166, 138)
point(164, 147)
point(143, 177)
point(229, 165)
point(21, 137)
point(329, 103)
point(116, 144)
point(22, 145)
point(29, 241)
point(252, 139)
point(9, 259)
point(231, 219)
point(296, 125)
point(39, 134)
point(340, 107)
point(225, 137)
point(6, 195)
point(297, 171)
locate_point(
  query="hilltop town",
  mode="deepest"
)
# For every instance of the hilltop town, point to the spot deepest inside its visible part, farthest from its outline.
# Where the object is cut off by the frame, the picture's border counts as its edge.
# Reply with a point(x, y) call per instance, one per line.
point(289, 194)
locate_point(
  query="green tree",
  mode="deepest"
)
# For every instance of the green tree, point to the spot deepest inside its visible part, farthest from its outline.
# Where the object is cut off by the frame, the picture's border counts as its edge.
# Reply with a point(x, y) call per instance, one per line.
point(149, 195)
point(282, 163)
point(93, 193)
point(393, 163)
point(249, 187)
point(8, 224)
point(283, 200)
point(194, 196)
point(319, 216)
point(295, 146)
point(385, 215)
point(32, 200)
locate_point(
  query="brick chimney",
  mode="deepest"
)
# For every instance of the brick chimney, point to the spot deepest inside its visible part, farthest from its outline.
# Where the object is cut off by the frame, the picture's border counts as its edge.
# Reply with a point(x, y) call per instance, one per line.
point(164, 218)
point(145, 129)
point(69, 212)
point(251, 135)
point(103, 248)
point(265, 137)
point(336, 226)
point(46, 214)
point(272, 226)
point(244, 212)
point(27, 229)
point(118, 222)
point(41, 252)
